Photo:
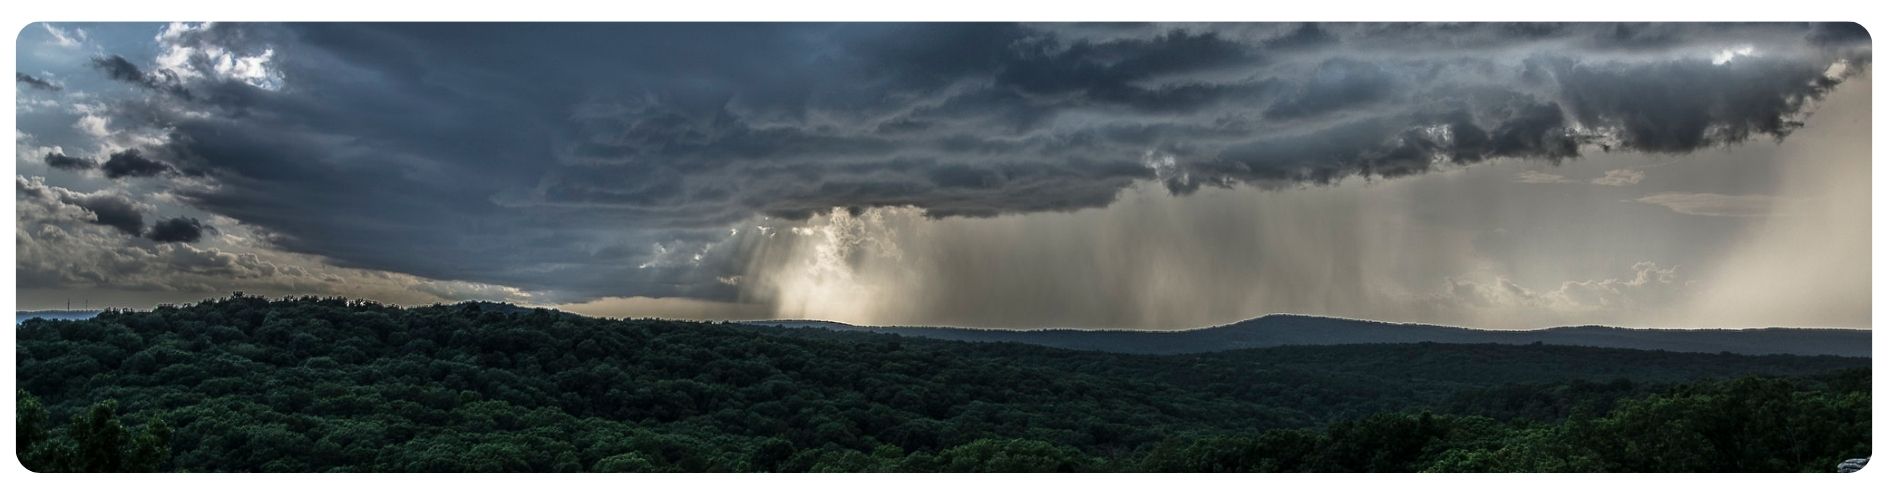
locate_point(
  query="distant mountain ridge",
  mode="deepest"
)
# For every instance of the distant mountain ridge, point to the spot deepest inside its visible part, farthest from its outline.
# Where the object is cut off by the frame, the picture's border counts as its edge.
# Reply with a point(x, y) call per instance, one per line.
point(1277, 330)
point(1289, 329)
point(54, 314)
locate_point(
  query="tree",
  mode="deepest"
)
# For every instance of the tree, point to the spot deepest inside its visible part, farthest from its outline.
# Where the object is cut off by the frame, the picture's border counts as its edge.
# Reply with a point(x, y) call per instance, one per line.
point(1011, 456)
point(101, 440)
point(632, 462)
point(95, 441)
point(30, 431)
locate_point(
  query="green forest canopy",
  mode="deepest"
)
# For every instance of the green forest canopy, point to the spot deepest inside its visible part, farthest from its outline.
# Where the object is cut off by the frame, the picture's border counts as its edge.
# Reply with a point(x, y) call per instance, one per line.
point(251, 384)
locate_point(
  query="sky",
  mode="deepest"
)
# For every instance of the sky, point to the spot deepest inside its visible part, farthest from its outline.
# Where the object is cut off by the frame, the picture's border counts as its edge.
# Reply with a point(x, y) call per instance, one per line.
point(1110, 176)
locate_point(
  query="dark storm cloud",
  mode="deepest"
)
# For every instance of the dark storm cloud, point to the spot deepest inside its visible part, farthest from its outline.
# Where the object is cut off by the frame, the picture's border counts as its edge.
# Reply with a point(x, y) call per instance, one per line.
point(521, 154)
point(118, 68)
point(108, 209)
point(115, 211)
point(35, 82)
point(130, 163)
point(1679, 107)
point(1335, 85)
point(177, 230)
point(69, 163)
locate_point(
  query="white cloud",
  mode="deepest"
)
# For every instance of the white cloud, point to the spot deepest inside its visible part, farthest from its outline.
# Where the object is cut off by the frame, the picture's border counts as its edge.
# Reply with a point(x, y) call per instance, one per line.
point(190, 54)
point(1729, 54)
point(110, 135)
point(94, 125)
point(27, 150)
point(1648, 286)
point(63, 38)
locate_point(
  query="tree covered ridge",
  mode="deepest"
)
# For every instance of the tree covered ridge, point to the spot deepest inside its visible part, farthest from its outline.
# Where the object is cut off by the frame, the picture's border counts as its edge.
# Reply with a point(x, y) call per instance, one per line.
point(252, 384)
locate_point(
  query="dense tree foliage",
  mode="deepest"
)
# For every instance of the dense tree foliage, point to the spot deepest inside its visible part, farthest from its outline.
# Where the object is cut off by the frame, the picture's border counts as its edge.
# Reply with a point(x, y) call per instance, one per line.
point(96, 442)
point(245, 383)
point(1752, 424)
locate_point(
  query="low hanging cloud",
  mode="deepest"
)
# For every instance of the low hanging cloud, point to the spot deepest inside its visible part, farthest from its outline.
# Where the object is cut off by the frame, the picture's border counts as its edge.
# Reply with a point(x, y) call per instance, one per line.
point(553, 158)
point(1648, 287)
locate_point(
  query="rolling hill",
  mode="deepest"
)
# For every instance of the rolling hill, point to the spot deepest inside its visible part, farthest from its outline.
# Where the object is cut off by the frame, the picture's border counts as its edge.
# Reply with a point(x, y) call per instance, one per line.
point(252, 384)
point(1285, 329)
point(1277, 330)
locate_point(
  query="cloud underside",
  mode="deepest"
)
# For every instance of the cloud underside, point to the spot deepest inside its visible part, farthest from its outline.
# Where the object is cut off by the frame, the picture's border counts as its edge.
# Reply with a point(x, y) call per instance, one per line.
point(32, 82)
point(97, 241)
point(583, 161)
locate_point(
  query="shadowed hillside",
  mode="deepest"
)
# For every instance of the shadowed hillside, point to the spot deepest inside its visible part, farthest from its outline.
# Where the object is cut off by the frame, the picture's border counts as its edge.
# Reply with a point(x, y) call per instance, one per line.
point(245, 383)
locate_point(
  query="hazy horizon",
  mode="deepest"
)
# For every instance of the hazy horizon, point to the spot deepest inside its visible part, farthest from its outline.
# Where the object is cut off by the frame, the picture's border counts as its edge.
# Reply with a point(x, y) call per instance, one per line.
point(766, 321)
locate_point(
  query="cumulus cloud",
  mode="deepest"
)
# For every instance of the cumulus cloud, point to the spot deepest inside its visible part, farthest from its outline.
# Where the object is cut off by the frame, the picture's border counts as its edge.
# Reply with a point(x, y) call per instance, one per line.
point(585, 161)
point(1715, 204)
point(208, 51)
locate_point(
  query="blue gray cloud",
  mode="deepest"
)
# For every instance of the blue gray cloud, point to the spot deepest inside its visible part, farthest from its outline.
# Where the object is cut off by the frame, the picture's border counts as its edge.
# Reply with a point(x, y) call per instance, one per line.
point(36, 82)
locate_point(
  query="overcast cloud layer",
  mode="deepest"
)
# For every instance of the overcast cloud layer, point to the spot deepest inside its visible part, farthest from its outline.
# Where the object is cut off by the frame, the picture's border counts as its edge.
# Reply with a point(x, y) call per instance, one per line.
point(573, 163)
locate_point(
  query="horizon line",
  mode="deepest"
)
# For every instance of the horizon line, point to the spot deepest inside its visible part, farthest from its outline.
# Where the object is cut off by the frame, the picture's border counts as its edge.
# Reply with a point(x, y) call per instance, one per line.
point(779, 321)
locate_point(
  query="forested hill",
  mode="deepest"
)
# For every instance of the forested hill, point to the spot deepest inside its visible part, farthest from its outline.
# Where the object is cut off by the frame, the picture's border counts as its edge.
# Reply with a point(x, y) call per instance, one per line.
point(246, 383)
point(1285, 329)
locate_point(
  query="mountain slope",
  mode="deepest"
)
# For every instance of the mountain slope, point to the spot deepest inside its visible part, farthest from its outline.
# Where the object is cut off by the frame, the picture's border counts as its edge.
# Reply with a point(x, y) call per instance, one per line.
point(1283, 330)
